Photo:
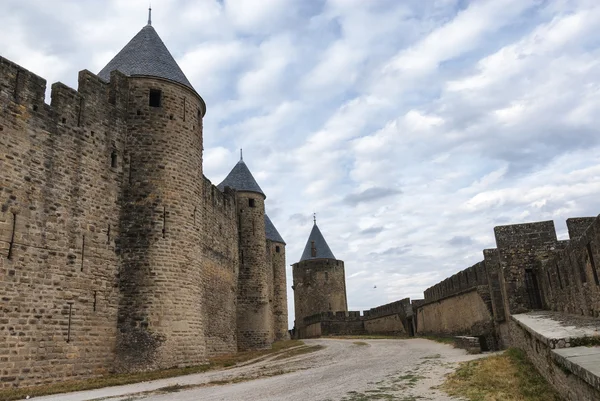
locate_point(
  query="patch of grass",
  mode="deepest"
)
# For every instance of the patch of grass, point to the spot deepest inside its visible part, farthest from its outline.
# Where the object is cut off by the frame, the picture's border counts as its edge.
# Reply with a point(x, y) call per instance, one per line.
point(436, 356)
point(171, 389)
point(219, 362)
point(507, 377)
point(439, 339)
point(360, 343)
point(410, 379)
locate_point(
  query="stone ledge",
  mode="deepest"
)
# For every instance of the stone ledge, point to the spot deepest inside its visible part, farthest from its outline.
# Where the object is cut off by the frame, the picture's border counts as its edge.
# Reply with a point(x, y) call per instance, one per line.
point(559, 330)
point(454, 294)
point(584, 362)
point(469, 343)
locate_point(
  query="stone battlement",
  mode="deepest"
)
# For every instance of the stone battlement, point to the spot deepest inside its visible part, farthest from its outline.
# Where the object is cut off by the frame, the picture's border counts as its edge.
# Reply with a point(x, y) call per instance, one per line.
point(116, 253)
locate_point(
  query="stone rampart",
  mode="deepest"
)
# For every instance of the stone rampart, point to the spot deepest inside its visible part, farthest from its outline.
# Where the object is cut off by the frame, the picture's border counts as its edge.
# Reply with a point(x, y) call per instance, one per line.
point(216, 220)
point(116, 253)
point(62, 167)
point(569, 280)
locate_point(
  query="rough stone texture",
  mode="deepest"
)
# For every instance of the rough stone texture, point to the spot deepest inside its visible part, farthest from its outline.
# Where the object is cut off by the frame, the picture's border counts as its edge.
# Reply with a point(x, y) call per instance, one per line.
point(392, 325)
point(116, 254)
point(522, 247)
point(276, 250)
point(216, 220)
point(578, 225)
point(471, 344)
point(254, 309)
point(332, 324)
point(51, 190)
point(569, 281)
point(160, 323)
point(465, 279)
point(391, 319)
point(319, 286)
point(464, 313)
point(495, 282)
point(569, 385)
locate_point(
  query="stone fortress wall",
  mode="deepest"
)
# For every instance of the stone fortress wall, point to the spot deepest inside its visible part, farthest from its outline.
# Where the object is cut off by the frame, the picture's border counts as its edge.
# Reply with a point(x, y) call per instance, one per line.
point(319, 286)
point(116, 253)
point(395, 319)
point(495, 304)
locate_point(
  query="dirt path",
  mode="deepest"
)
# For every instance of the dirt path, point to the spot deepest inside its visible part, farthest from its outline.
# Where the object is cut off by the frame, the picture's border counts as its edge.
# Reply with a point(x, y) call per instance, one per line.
point(346, 370)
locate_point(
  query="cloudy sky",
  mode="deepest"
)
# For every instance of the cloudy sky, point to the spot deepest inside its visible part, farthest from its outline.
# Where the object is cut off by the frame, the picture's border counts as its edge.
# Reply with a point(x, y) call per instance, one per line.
point(412, 128)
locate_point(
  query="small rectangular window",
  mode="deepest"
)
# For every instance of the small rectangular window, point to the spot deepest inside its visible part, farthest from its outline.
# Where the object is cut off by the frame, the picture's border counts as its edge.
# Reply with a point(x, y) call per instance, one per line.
point(277, 248)
point(251, 202)
point(113, 159)
point(155, 98)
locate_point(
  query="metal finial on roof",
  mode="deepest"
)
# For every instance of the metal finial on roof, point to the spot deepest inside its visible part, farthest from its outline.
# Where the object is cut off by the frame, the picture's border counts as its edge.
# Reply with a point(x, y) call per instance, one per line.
point(150, 15)
point(241, 155)
point(315, 218)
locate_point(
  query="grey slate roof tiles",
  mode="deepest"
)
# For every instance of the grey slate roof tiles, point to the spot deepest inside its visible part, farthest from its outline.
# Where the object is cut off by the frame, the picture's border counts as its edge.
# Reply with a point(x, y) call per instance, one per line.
point(240, 179)
point(271, 232)
point(146, 55)
point(323, 250)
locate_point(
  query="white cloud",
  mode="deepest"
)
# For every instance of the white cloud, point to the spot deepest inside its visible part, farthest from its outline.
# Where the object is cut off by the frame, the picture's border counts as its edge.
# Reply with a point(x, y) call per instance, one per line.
point(412, 128)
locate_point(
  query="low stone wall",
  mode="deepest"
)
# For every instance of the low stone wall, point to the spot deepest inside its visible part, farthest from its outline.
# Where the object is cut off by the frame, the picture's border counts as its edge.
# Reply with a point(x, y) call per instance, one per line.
point(392, 325)
point(563, 379)
point(471, 344)
point(342, 328)
point(462, 313)
point(310, 331)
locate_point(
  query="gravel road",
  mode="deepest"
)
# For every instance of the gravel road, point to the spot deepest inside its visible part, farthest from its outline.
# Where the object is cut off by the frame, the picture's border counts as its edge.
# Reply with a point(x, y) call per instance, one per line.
point(345, 370)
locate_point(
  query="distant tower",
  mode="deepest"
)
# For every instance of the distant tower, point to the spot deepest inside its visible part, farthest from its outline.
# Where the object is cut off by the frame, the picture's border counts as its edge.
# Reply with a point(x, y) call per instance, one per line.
point(160, 322)
point(276, 254)
point(254, 311)
point(319, 280)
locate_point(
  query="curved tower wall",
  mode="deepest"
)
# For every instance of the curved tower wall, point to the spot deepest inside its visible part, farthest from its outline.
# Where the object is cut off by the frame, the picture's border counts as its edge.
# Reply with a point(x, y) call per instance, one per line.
point(276, 250)
point(160, 319)
point(319, 286)
point(254, 311)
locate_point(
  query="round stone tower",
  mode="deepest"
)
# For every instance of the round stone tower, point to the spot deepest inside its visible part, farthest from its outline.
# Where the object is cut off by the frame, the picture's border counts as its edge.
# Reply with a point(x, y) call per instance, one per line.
point(160, 319)
point(254, 309)
point(276, 255)
point(319, 280)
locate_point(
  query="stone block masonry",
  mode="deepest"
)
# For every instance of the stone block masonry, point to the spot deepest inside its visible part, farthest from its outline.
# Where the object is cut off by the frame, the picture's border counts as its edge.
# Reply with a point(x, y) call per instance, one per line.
point(319, 286)
point(116, 253)
point(59, 218)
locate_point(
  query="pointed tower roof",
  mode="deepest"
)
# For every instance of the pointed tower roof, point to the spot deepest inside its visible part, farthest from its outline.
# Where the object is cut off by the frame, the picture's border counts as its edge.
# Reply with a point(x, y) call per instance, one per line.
point(241, 179)
point(146, 55)
point(316, 240)
point(271, 232)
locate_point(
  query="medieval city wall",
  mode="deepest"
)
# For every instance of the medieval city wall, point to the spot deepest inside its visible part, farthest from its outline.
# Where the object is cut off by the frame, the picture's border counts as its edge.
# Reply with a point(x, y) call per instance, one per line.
point(319, 286)
point(394, 319)
point(276, 252)
point(161, 320)
point(61, 170)
point(216, 220)
point(461, 313)
point(389, 319)
point(569, 280)
point(110, 235)
point(460, 304)
point(569, 384)
point(254, 311)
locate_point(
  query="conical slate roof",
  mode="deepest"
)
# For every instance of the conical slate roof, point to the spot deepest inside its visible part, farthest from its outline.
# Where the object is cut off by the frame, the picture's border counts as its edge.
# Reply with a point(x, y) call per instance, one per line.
point(146, 55)
point(240, 179)
point(323, 251)
point(271, 232)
